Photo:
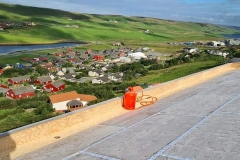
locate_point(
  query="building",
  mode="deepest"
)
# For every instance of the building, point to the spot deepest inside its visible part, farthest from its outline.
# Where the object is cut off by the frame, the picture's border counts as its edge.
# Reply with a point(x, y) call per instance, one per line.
point(216, 43)
point(19, 80)
point(20, 92)
point(98, 57)
point(137, 55)
point(190, 50)
point(70, 100)
point(55, 86)
point(43, 80)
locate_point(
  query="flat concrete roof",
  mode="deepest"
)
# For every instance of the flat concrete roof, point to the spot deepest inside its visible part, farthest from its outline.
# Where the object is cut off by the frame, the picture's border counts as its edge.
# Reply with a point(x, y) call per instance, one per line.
point(201, 122)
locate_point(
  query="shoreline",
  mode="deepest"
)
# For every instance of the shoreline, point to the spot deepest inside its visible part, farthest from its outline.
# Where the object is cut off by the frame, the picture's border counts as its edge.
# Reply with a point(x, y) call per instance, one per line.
point(31, 44)
point(20, 51)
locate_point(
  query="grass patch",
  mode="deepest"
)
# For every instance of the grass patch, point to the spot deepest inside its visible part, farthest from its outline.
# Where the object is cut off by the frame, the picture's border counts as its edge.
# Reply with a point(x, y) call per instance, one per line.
point(175, 72)
point(51, 27)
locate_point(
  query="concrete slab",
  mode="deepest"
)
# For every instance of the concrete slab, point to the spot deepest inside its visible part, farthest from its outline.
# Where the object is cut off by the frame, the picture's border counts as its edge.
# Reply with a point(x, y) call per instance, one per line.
point(199, 123)
point(70, 145)
point(218, 138)
point(141, 140)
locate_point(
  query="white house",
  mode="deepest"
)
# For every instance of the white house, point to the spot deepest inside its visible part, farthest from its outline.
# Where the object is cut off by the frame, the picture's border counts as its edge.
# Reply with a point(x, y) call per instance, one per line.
point(62, 102)
point(137, 55)
point(190, 50)
point(216, 43)
point(125, 59)
point(59, 101)
point(217, 52)
point(101, 80)
point(95, 73)
point(60, 73)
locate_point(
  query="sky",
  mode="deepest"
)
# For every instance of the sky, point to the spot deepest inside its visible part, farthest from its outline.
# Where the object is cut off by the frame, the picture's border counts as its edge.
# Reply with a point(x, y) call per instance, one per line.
point(224, 12)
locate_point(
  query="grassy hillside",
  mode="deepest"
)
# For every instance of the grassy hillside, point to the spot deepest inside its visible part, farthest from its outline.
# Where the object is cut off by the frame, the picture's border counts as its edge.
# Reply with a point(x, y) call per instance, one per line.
point(51, 27)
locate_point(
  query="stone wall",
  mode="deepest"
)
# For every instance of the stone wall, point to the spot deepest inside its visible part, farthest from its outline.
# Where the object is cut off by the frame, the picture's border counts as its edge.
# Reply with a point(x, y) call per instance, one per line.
point(31, 137)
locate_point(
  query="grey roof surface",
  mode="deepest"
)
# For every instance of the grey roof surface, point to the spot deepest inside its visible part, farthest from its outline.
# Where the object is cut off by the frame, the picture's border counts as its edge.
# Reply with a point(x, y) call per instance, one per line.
point(74, 103)
point(21, 90)
point(44, 79)
point(58, 83)
point(20, 78)
point(201, 123)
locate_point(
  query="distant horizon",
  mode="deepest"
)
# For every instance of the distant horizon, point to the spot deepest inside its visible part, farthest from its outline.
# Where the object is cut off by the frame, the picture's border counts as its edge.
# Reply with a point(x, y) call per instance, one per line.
point(216, 12)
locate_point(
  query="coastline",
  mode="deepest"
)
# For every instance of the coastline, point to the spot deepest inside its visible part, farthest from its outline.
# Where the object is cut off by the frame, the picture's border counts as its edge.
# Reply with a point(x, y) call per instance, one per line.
point(38, 49)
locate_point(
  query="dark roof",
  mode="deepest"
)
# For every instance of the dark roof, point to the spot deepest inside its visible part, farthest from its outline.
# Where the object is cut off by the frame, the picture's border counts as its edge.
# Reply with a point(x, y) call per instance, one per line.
point(21, 90)
point(85, 66)
point(99, 71)
point(104, 78)
point(69, 75)
point(58, 83)
point(83, 56)
point(44, 79)
point(74, 103)
point(20, 78)
point(117, 75)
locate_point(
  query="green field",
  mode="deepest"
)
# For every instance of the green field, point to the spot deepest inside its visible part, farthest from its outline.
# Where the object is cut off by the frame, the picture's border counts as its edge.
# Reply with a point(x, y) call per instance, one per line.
point(51, 27)
point(168, 74)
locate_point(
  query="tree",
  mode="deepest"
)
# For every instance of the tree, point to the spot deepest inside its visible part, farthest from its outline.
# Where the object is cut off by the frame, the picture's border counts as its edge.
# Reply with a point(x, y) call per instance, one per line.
point(41, 70)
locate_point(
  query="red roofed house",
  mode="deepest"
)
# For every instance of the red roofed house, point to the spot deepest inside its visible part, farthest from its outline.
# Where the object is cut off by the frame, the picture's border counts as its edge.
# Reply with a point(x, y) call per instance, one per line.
point(98, 57)
point(89, 51)
point(43, 80)
point(19, 80)
point(1, 71)
point(55, 86)
point(59, 54)
point(122, 54)
point(20, 92)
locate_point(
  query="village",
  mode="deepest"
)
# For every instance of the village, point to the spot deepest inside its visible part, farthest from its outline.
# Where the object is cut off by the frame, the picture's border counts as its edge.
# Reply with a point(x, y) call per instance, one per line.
point(53, 73)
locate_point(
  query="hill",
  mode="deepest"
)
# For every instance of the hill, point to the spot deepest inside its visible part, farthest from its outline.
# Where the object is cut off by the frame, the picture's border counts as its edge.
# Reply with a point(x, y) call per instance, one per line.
point(60, 26)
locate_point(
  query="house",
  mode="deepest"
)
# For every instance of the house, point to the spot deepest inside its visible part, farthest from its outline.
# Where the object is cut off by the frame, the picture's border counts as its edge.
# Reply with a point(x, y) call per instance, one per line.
point(1, 71)
point(98, 57)
point(60, 73)
point(145, 49)
point(60, 54)
point(85, 67)
point(233, 42)
point(71, 60)
point(49, 66)
point(20, 92)
point(69, 100)
point(43, 80)
point(19, 80)
point(59, 101)
point(83, 56)
point(55, 86)
point(89, 51)
point(69, 76)
point(95, 73)
point(125, 59)
point(85, 99)
point(115, 76)
point(122, 54)
point(69, 69)
point(18, 65)
point(116, 43)
point(103, 79)
point(71, 55)
point(217, 52)
point(190, 50)
point(137, 55)
point(216, 43)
